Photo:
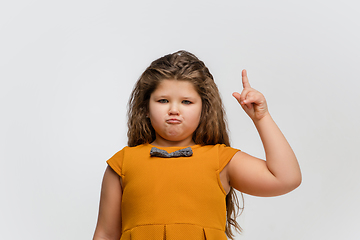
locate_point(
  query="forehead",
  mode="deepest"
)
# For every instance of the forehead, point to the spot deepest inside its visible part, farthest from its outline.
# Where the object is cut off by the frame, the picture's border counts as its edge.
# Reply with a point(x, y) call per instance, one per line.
point(175, 87)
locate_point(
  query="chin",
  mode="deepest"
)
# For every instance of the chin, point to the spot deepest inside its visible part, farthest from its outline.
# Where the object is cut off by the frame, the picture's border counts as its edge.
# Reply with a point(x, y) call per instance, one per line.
point(174, 138)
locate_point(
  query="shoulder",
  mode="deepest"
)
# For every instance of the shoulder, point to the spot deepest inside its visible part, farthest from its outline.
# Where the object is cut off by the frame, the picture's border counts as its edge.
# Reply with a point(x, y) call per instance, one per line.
point(222, 153)
point(135, 149)
point(217, 147)
point(225, 151)
point(116, 162)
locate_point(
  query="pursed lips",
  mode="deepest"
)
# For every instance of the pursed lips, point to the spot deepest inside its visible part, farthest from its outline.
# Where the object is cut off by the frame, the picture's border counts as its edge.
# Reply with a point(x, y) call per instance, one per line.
point(173, 121)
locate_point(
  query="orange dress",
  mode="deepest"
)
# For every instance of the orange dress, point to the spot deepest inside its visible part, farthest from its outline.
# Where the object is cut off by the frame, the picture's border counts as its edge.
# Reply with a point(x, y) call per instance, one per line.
point(172, 198)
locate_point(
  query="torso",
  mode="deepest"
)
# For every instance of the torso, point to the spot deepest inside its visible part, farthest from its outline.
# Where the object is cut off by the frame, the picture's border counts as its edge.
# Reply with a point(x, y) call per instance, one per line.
point(162, 195)
point(223, 178)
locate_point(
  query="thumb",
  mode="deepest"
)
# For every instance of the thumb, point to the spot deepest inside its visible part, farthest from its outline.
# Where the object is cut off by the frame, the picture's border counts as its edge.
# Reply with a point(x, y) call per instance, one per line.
point(237, 96)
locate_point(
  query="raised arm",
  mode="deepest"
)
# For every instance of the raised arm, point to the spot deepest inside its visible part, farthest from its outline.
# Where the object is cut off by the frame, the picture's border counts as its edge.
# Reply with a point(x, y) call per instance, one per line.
point(280, 173)
point(109, 221)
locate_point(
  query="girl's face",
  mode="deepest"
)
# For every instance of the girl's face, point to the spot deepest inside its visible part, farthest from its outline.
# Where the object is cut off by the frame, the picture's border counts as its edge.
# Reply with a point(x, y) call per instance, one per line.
point(174, 112)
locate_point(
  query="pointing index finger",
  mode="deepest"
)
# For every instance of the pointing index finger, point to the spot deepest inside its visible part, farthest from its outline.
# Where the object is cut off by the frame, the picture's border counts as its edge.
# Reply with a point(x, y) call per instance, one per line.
point(245, 80)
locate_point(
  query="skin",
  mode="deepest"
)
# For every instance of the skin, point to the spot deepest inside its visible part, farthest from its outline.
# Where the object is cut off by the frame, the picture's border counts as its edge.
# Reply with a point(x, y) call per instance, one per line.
point(174, 112)
point(109, 220)
point(279, 174)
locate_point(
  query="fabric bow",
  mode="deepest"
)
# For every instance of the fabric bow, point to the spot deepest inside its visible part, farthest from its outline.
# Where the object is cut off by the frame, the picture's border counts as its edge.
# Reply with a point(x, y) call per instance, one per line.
point(186, 152)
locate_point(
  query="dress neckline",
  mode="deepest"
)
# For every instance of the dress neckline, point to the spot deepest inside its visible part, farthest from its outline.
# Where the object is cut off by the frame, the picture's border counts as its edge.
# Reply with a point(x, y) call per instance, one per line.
point(174, 147)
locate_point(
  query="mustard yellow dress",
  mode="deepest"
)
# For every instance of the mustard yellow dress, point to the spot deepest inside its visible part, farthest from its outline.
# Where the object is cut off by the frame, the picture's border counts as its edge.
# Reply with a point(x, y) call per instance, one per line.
point(172, 198)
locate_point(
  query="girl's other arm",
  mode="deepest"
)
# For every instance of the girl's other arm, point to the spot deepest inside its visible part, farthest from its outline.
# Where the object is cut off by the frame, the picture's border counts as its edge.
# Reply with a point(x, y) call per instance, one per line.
point(109, 220)
point(280, 173)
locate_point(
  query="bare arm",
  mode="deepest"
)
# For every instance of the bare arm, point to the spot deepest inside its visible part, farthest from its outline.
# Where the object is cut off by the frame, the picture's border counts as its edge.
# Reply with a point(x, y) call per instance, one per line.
point(109, 221)
point(280, 173)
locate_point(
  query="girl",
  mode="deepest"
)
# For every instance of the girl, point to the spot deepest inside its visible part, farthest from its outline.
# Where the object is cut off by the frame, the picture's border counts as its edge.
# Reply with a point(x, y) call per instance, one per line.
point(175, 180)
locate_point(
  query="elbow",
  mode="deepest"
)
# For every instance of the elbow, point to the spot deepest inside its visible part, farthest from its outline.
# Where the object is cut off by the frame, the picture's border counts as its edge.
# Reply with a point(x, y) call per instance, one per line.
point(290, 184)
point(299, 180)
point(287, 186)
point(295, 182)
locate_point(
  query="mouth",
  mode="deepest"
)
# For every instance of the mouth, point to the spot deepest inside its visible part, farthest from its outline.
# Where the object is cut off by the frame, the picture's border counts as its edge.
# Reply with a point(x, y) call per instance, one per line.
point(173, 121)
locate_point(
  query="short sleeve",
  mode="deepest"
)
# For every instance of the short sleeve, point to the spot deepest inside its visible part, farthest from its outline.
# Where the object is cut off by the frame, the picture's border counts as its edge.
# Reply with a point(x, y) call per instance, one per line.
point(116, 161)
point(225, 155)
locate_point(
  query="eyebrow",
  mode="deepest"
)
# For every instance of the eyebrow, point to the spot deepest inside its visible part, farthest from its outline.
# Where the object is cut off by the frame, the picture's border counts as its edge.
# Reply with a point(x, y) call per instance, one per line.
point(161, 96)
point(167, 96)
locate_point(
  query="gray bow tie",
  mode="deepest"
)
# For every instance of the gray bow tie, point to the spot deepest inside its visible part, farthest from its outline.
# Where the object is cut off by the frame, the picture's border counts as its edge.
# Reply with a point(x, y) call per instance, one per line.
point(186, 152)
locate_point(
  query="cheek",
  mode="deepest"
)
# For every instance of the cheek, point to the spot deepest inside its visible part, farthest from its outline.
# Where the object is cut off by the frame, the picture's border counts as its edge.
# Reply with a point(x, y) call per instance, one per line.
point(156, 115)
point(197, 115)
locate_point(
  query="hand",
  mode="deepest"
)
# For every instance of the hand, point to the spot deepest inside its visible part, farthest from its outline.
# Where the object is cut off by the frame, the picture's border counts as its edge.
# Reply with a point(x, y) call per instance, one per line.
point(251, 100)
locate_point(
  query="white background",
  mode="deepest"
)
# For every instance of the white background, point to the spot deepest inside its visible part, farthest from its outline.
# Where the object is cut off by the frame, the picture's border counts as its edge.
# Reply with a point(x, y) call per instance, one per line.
point(67, 69)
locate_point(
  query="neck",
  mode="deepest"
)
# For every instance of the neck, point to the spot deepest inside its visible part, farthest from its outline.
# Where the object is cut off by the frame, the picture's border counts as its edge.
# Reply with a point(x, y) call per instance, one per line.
point(160, 142)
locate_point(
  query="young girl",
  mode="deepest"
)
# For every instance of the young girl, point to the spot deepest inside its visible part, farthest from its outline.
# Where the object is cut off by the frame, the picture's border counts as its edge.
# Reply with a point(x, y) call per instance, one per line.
point(175, 180)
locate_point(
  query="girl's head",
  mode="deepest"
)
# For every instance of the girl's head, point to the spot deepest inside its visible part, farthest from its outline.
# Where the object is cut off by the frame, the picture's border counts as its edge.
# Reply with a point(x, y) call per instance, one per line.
point(179, 66)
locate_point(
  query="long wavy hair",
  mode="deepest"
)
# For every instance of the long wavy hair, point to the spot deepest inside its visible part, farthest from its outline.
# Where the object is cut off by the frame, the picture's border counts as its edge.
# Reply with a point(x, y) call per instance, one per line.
point(212, 128)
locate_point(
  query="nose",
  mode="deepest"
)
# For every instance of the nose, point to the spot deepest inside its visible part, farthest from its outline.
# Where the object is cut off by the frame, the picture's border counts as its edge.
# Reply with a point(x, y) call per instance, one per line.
point(174, 110)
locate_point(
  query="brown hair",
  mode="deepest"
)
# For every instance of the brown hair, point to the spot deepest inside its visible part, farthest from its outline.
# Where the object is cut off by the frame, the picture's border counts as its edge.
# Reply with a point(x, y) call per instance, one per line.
point(212, 128)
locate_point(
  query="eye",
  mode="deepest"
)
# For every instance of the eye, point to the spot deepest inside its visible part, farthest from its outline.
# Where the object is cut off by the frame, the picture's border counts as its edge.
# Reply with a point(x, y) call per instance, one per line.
point(187, 102)
point(163, 101)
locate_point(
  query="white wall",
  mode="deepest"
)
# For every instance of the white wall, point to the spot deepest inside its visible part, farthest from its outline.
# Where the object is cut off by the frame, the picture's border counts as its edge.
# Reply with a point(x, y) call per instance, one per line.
point(67, 69)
